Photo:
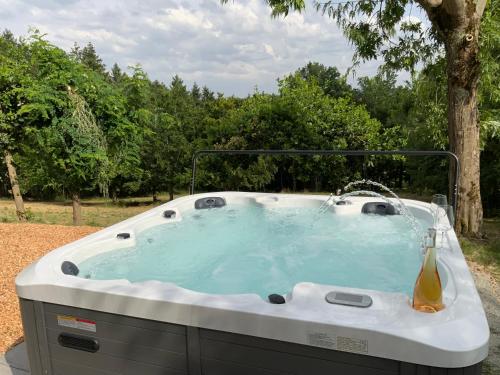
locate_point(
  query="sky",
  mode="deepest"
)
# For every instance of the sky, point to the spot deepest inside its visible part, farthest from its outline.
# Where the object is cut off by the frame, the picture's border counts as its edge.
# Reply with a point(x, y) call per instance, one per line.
point(231, 49)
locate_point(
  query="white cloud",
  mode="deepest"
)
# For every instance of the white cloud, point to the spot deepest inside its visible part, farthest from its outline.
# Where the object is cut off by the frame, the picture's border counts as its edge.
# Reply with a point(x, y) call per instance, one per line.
point(229, 48)
point(411, 20)
point(269, 50)
point(297, 27)
point(180, 17)
point(97, 36)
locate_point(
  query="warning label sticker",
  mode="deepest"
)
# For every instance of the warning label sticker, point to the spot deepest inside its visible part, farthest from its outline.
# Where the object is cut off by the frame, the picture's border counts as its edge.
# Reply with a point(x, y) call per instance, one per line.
point(77, 323)
point(322, 339)
point(349, 344)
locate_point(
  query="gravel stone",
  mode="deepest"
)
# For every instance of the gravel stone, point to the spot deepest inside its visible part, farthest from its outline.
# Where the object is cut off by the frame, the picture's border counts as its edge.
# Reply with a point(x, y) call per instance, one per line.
point(20, 245)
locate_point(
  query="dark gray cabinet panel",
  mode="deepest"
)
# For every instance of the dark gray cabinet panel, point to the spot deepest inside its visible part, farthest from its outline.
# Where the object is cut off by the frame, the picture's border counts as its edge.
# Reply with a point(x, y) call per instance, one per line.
point(132, 346)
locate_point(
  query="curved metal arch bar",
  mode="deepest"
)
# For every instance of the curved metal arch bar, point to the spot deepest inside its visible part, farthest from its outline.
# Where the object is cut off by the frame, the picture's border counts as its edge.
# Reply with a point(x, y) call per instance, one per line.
point(449, 154)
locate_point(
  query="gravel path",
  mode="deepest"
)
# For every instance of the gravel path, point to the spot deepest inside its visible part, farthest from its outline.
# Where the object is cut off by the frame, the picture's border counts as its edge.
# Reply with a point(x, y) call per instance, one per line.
point(490, 295)
point(21, 244)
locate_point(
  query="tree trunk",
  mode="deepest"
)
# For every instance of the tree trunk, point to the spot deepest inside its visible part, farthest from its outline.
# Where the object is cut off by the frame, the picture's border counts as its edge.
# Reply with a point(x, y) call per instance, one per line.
point(155, 197)
point(400, 175)
point(14, 184)
point(171, 192)
point(77, 209)
point(462, 51)
point(457, 23)
point(317, 183)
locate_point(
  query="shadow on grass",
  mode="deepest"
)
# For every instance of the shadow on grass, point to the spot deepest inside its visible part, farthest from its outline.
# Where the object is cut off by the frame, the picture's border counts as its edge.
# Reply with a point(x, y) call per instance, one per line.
point(485, 251)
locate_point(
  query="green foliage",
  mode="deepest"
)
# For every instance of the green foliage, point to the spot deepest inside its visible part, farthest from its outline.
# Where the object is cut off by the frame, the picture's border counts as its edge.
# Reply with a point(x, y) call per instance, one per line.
point(39, 113)
point(116, 74)
point(131, 135)
point(166, 150)
point(282, 7)
point(301, 116)
point(384, 99)
point(30, 75)
point(490, 70)
point(70, 153)
point(489, 106)
point(427, 127)
point(88, 57)
point(328, 78)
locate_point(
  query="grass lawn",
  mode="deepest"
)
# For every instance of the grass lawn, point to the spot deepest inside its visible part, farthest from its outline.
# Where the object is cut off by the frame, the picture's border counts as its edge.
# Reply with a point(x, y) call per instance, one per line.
point(96, 212)
point(485, 251)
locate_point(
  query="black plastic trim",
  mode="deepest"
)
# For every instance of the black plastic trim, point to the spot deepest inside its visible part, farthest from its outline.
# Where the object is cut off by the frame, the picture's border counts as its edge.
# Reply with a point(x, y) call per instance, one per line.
point(69, 268)
point(209, 202)
point(169, 214)
point(276, 299)
point(379, 208)
point(343, 203)
point(86, 344)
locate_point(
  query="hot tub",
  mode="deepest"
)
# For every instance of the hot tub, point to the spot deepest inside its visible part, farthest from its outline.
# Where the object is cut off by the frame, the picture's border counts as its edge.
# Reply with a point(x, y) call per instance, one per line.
point(184, 289)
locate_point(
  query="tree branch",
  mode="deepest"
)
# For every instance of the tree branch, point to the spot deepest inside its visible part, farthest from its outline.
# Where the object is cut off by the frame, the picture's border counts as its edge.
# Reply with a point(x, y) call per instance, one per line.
point(455, 8)
point(434, 3)
point(428, 4)
point(480, 5)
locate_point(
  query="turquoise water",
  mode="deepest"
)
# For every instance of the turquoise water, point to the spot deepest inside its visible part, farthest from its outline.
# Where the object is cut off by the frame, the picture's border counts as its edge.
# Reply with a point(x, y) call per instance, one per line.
point(249, 249)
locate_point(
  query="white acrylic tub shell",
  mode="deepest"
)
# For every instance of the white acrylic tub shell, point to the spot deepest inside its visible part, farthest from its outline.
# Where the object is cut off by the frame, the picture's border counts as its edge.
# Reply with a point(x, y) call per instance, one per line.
point(454, 337)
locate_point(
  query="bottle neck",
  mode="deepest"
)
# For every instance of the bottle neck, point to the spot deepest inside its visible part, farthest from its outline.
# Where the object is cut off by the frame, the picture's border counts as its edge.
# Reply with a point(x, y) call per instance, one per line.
point(430, 240)
point(430, 258)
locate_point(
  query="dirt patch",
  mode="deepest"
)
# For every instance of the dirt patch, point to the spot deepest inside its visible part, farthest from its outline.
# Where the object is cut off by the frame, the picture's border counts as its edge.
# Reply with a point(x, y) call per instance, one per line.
point(488, 289)
point(21, 244)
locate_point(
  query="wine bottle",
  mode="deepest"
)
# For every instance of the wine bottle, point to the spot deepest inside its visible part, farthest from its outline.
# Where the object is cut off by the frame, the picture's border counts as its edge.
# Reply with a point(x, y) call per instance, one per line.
point(428, 292)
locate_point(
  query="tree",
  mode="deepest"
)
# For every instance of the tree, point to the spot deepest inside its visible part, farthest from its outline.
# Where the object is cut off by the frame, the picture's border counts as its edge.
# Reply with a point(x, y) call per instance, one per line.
point(29, 72)
point(328, 78)
point(166, 154)
point(179, 98)
point(115, 114)
point(88, 57)
point(73, 129)
point(207, 95)
point(11, 71)
point(48, 123)
point(384, 99)
point(196, 93)
point(489, 106)
point(382, 28)
point(425, 128)
point(70, 154)
point(116, 74)
point(300, 116)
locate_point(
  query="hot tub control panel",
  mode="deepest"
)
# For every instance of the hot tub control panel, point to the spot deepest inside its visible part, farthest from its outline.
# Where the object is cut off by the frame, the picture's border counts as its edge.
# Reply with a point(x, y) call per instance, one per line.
point(348, 299)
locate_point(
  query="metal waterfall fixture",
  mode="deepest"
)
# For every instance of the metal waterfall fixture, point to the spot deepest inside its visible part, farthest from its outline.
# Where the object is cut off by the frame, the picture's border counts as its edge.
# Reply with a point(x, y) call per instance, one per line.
point(454, 183)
